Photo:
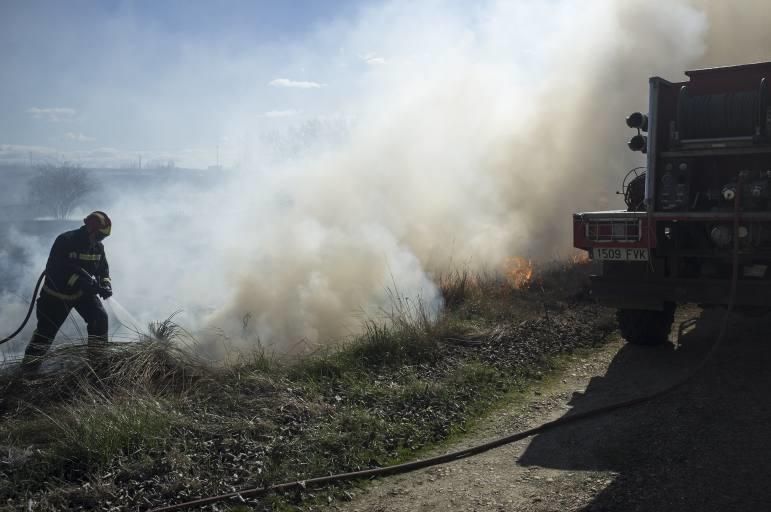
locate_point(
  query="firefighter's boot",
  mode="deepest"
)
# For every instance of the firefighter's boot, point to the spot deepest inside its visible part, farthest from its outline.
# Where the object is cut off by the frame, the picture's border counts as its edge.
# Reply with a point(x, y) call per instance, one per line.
point(33, 356)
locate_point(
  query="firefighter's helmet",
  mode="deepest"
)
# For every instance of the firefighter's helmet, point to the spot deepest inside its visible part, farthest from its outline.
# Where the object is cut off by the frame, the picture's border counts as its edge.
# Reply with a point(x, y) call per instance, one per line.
point(98, 223)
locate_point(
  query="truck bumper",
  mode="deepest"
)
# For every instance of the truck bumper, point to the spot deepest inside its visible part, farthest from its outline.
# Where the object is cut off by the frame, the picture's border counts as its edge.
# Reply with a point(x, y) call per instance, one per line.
point(652, 293)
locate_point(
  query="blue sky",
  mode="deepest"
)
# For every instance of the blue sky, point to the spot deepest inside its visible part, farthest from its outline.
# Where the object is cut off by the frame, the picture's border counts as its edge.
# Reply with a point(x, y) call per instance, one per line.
point(160, 77)
point(103, 82)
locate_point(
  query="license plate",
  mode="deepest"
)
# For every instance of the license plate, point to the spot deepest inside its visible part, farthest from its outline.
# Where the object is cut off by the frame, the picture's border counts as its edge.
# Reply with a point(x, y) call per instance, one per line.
point(620, 253)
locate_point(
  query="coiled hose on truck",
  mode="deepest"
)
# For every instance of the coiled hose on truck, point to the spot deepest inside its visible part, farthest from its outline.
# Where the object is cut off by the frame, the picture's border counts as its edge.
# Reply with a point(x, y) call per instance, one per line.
point(29, 311)
point(475, 450)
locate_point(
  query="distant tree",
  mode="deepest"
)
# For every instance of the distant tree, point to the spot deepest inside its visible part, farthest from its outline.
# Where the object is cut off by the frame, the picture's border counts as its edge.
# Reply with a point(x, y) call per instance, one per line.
point(58, 189)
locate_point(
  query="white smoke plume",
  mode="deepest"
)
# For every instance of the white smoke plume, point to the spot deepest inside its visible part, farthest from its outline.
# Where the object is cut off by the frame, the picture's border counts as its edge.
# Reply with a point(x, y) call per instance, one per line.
point(472, 144)
point(475, 137)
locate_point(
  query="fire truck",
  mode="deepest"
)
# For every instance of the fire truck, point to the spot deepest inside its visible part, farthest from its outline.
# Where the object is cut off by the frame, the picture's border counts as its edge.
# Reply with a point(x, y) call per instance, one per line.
point(698, 217)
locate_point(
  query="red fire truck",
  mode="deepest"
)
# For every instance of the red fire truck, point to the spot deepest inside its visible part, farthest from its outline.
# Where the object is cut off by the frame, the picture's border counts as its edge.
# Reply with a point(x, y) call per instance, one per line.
point(701, 201)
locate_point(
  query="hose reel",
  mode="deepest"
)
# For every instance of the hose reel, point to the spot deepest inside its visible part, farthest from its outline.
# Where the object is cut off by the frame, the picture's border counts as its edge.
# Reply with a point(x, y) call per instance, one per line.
point(742, 114)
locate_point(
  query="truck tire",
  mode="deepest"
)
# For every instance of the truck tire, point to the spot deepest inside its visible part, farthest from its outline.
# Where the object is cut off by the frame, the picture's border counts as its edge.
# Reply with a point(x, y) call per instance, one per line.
point(644, 327)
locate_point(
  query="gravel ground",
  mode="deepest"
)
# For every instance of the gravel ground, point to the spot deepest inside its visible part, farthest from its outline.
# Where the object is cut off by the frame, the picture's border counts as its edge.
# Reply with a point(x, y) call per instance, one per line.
point(704, 447)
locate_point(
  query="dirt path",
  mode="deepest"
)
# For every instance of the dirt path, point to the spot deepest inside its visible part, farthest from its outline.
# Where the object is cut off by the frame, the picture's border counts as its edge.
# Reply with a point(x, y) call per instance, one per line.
point(705, 447)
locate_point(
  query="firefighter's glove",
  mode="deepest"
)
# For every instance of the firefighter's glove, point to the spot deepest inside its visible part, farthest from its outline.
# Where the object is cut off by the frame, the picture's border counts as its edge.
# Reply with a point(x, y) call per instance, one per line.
point(90, 286)
point(105, 291)
point(88, 283)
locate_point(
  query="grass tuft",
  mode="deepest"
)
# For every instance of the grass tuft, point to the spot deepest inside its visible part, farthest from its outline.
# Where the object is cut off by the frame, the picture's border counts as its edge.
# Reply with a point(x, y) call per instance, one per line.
point(455, 287)
point(167, 331)
point(93, 431)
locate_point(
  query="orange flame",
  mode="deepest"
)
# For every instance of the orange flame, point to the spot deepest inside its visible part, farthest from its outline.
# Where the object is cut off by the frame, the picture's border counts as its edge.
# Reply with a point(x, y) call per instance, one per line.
point(519, 271)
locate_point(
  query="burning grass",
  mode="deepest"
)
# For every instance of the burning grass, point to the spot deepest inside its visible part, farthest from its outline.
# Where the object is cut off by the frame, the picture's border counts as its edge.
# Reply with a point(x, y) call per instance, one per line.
point(522, 289)
point(149, 423)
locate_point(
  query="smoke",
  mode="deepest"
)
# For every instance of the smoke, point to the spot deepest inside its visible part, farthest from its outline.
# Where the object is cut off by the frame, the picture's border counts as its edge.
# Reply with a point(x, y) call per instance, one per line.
point(19, 256)
point(737, 32)
point(445, 136)
point(476, 150)
point(473, 146)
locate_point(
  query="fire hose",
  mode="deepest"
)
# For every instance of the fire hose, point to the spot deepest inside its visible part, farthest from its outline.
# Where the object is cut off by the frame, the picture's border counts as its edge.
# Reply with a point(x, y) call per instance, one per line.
point(484, 447)
point(29, 311)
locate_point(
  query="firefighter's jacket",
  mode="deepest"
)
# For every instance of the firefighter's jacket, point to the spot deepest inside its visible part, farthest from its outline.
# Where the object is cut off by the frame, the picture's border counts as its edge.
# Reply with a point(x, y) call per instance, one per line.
point(71, 254)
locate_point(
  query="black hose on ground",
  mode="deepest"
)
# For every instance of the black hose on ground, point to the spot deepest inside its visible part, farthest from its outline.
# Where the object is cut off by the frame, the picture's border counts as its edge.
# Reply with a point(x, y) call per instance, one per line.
point(29, 311)
point(475, 450)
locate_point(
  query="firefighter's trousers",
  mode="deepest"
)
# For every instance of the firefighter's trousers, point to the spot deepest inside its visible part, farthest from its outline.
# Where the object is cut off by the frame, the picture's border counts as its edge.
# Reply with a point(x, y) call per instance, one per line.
point(51, 314)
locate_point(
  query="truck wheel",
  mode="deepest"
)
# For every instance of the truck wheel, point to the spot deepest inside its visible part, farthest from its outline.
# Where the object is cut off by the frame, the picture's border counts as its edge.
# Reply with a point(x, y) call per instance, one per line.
point(644, 327)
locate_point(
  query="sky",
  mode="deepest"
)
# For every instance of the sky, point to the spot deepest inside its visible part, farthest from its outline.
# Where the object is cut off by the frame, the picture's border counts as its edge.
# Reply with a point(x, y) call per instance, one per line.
point(105, 82)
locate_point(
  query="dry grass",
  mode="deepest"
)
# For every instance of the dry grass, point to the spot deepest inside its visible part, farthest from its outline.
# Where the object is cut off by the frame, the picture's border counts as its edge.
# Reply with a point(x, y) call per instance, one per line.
point(163, 361)
point(99, 427)
point(560, 279)
point(455, 287)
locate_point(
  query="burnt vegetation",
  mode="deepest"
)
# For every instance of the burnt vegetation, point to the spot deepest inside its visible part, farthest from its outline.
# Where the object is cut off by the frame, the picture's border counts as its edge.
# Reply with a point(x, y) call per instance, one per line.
point(149, 423)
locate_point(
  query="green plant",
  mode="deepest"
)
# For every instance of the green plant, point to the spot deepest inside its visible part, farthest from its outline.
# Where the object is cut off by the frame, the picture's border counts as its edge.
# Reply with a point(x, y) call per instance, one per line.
point(97, 429)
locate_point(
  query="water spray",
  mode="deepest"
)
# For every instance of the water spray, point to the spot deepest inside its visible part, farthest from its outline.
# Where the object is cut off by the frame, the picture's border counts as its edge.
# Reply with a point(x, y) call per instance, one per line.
point(122, 315)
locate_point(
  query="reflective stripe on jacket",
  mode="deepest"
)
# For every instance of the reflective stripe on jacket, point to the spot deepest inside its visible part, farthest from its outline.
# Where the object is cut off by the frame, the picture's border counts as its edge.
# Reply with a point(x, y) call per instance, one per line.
point(68, 297)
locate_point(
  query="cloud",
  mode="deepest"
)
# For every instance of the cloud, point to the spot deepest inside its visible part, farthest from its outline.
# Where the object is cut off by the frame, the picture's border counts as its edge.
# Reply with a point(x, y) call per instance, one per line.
point(53, 114)
point(373, 60)
point(285, 82)
point(281, 113)
point(79, 137)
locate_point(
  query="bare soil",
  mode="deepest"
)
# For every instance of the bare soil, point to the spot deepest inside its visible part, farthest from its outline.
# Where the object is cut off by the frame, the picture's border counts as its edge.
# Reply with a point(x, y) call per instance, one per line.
point(704, 447)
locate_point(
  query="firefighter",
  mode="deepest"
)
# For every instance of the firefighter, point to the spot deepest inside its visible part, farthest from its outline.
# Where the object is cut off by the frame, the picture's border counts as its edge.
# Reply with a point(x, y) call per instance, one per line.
point(77, 274)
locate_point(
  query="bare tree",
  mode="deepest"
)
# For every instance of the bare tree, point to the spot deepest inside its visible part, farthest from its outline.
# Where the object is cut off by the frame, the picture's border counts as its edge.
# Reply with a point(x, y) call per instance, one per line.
point(58, 189)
